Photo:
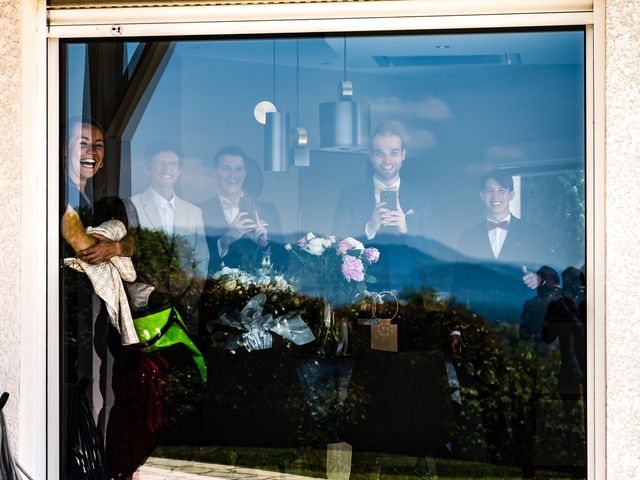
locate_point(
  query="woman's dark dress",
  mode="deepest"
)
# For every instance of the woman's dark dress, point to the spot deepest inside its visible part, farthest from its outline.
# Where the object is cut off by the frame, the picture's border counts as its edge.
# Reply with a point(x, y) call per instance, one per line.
point(136, 379)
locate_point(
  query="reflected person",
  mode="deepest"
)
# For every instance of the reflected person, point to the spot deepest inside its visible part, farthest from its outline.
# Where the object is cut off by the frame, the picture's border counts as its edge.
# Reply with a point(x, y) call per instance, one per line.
point(566, 320)
point(496, 254)
point(535, 308)
point(173, 255)
point(98, 365)
point(386, 211)
point(531, 323)
point(238, 227)
point(383, 204)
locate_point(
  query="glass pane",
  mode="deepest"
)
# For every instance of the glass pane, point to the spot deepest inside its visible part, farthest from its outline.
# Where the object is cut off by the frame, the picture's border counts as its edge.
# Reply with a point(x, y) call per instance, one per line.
point(327, 256)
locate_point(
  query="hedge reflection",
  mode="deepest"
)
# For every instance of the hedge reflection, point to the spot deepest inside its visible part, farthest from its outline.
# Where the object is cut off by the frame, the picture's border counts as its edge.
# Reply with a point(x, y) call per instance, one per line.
point(510, 411)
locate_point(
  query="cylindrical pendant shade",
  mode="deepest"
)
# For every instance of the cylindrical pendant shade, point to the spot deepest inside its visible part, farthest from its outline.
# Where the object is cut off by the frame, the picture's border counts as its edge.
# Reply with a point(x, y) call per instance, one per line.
point(344, 126)
point(276, 142)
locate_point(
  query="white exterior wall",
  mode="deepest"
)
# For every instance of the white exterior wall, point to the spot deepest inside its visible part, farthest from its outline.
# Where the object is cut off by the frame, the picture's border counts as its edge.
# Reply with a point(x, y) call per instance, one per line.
point(623, 238)
point(10, 208)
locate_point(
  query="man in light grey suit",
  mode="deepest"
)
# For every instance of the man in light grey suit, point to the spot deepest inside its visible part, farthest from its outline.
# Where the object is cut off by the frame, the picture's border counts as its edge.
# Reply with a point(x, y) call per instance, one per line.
point(172, 253)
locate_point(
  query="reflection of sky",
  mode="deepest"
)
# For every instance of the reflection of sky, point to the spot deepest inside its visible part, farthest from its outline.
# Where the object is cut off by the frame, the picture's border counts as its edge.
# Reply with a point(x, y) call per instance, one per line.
point(460, 119)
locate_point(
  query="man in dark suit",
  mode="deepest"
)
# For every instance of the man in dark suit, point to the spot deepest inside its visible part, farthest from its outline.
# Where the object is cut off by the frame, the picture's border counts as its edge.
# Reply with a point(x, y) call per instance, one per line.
point(498, 250)
point(386, 211)
point(237, 226)
point(361, 211)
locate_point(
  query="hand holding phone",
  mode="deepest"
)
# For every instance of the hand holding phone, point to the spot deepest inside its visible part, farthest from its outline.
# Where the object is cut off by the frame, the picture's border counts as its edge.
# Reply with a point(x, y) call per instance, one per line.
point(390, 199)
point(246, 205)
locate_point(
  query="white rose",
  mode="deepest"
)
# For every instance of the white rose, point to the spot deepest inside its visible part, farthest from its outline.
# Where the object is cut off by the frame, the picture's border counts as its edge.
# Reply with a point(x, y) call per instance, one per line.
point(281, 283)
point(315, 246)
point(288, 247)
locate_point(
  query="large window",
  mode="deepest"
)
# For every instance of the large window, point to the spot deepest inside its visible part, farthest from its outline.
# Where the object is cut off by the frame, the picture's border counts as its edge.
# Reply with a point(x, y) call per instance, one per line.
point(324, 255)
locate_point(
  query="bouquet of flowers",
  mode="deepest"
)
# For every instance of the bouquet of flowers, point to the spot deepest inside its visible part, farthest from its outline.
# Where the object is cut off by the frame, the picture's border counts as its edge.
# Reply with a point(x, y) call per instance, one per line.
point(333, 270)
point(336, 272)
point(254, 305)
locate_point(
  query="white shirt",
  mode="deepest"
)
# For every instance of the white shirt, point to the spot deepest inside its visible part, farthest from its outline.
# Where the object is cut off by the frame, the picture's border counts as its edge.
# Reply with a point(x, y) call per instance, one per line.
point(167, 211)
point(230, 208)
point(378, 187)
point(497, 236)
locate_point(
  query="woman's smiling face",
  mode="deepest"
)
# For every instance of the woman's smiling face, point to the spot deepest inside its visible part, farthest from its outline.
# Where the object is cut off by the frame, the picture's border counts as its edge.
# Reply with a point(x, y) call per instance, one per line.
point(85, 152)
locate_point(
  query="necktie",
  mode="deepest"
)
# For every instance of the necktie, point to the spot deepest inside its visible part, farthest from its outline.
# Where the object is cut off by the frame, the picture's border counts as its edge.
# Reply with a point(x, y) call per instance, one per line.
point(491, 225)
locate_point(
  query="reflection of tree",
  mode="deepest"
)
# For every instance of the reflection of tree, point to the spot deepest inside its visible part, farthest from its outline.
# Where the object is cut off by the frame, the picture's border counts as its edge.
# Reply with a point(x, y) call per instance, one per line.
point(169, 264)
point(501, 382)
point(560, 209)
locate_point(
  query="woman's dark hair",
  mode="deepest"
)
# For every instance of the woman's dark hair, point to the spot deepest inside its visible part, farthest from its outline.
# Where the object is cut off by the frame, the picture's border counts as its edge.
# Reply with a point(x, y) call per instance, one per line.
point(83, 119)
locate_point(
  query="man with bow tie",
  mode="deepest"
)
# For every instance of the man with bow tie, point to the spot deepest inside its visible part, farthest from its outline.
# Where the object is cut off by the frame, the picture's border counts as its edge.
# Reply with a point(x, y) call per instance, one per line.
point(386, 211)
point(239, 228)
point(502, 236)
point(362, 210)
point(499, 256)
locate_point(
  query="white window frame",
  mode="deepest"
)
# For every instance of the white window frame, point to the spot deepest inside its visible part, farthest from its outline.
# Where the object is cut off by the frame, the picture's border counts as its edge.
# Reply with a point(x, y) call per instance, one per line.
point(42, 316)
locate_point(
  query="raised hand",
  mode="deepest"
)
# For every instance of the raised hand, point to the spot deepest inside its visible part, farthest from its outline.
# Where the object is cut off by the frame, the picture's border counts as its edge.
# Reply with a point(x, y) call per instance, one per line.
point(530, 279)
point(240, 226)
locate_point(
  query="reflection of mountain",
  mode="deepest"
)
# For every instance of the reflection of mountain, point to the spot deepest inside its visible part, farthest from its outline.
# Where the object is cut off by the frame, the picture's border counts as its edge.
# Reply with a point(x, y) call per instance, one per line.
point(491, 289)
point(494, 290)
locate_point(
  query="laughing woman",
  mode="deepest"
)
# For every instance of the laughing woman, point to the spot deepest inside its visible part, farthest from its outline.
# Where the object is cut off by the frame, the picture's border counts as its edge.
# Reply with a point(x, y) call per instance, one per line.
point(105, 433)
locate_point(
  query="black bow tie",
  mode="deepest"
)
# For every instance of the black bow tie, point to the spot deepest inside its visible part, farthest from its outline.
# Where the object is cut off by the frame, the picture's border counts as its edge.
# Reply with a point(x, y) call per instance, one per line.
point(491, 225)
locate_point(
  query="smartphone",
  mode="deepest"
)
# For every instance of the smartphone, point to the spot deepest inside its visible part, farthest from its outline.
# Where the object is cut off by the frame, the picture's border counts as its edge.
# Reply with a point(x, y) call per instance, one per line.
point(246, 205)
point(390, 199)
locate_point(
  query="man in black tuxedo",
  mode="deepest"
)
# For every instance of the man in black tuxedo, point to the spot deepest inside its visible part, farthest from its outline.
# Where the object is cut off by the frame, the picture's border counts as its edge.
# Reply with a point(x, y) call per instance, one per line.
point(362, 212)
point(237, 226)
point(385, 211)
point(498, 250)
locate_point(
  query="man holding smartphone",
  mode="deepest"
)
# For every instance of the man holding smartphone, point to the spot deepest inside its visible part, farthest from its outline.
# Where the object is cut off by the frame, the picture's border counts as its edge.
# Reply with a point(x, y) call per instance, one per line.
point(384, 204)
point(387, 212)
point(236, 224)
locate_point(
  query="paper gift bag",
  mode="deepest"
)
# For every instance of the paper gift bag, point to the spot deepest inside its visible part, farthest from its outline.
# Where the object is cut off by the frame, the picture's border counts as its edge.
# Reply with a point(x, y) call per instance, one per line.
point(384, 336)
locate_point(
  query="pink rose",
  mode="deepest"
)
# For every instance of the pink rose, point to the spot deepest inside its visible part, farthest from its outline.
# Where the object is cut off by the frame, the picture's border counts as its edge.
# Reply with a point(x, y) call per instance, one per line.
point(353, 268)
point(355, 244)
point(344, 247)
point(371, 254)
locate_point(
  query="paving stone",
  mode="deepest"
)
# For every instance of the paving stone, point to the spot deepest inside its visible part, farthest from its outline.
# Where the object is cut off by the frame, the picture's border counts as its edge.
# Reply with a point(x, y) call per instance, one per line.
point(168, 469)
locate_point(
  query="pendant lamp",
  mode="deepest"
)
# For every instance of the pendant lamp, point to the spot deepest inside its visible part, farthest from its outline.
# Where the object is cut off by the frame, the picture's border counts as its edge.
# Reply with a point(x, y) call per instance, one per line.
point(276, 133)
point(345, 124)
